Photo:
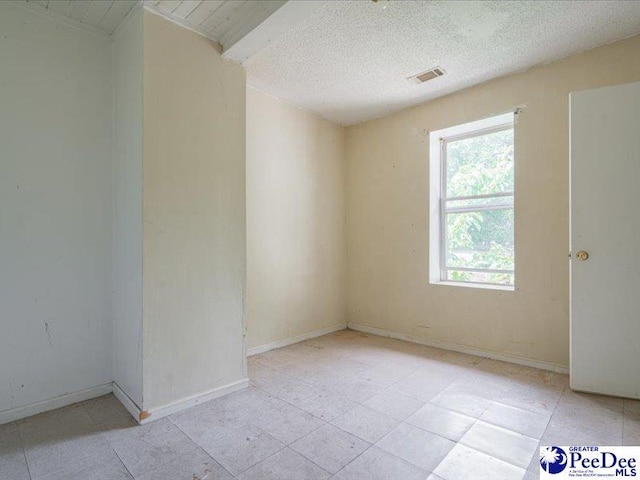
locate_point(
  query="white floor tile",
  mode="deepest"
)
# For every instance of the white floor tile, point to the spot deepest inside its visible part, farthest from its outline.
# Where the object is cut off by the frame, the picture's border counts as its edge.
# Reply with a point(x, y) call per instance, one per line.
point(366, 423)
point(13, 464)
point(145, 448)
point(366, 386)
point(330, 447)
point(387, 374)
point(63, 443)
point(446, 423)
point(112, 470)
point(190, 466)
point(356, 389)
point(531, 395)
point(108, 413)
point(325, 405)
point(419, 447)
point(285, 465)
point(283, 386)
point(587, 419)
point(376, 464)
point(284, 421)
point(394, 404)
point(73, 458)
point(464, 403)
point(464, 463)
point(498, 442)
point(423, 385)
point(235, 447)
point(526, 422)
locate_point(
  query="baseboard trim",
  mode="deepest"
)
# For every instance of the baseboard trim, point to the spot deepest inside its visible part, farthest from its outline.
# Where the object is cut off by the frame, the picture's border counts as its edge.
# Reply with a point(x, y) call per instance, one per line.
point(297, 339)
point(18, 413)
point(147, 416)
point(142, 417)
point(504, 357)
point(126, 402)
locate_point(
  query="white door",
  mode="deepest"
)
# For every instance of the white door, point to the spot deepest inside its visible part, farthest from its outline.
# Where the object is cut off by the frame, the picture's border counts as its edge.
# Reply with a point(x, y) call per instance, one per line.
point(605, 223)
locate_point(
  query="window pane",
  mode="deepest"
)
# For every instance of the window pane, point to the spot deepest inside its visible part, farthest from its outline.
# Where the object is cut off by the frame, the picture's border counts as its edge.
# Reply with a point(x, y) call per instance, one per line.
point(506, 201)
point(480, 277)
point(480, 165)
point(480, 240)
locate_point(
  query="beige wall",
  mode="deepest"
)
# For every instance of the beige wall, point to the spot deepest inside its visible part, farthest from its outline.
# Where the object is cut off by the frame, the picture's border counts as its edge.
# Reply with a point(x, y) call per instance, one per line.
point(296, 250)
point(387, 198)
point(194, 215)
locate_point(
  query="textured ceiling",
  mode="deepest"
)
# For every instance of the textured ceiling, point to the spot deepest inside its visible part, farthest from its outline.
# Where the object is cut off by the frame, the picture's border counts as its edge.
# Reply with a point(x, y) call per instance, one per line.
point(349, 61)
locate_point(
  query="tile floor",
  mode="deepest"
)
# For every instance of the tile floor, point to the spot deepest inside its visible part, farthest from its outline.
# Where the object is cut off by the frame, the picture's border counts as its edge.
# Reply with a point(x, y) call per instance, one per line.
point(346, 406)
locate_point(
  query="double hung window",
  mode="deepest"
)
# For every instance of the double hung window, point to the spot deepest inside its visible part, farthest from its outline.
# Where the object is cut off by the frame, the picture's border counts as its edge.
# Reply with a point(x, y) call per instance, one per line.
point(472, 204)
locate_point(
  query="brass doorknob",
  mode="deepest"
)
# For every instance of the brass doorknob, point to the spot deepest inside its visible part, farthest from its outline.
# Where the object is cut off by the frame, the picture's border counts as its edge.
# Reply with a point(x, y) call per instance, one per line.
point(582, 255)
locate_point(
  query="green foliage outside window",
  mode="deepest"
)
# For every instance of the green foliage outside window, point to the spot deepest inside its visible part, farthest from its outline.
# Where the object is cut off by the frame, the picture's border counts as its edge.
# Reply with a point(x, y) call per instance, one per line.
point(483, 239)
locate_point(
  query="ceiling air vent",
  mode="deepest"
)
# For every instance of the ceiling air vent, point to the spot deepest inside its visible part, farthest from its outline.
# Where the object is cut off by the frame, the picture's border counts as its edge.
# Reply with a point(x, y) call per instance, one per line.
point(426, 76)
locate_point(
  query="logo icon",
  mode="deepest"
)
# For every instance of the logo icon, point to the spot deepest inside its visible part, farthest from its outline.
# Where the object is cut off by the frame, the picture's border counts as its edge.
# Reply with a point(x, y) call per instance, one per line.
point(553, 459)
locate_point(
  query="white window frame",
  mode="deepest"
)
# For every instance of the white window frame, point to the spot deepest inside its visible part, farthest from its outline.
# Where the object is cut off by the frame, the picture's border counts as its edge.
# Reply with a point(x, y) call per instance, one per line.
point(437, 199)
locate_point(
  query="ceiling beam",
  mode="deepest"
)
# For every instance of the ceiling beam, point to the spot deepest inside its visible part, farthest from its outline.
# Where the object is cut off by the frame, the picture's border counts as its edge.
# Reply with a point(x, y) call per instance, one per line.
point(257, 31)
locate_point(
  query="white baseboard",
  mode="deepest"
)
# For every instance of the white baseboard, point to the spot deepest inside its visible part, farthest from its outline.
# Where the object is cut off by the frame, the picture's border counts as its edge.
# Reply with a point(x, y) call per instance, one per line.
point(504, 357)
point(142, 417)
point(157, 413)
point(126, 402)
point(291, 340)
point(17, 413)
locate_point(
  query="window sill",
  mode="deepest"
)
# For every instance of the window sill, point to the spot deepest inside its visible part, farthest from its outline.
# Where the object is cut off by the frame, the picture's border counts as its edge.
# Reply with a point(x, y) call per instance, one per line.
point(484, 286)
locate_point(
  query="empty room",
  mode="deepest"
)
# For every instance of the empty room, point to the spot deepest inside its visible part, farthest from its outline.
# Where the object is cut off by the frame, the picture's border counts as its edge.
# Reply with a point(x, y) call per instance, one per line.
point(319, 239)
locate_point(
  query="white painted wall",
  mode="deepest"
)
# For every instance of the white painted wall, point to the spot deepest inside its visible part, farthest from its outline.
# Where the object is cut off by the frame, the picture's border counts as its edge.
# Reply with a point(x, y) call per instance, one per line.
point(296, 244)
point(194, 216)
point(55, 209)
point(127, 206)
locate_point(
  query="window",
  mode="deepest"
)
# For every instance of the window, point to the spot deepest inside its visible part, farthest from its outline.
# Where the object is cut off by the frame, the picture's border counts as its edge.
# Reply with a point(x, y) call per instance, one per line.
point(472, 204)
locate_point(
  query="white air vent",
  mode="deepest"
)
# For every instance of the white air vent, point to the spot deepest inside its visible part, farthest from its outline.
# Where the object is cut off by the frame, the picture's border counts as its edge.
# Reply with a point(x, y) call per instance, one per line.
point(426, 76)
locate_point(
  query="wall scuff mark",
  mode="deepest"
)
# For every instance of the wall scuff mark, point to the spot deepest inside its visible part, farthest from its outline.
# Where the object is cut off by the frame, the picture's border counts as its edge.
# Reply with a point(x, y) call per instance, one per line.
point(48, 332)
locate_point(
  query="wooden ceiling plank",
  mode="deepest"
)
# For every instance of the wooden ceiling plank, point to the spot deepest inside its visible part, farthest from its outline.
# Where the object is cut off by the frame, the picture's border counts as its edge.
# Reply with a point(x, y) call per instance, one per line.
point(169, 5)
point(59, 6)
point(79, 9)
point(247, 18)
point(204, 11)
point(116, 14)
point(222, 15)
point(97, 11)
point(186, 8)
